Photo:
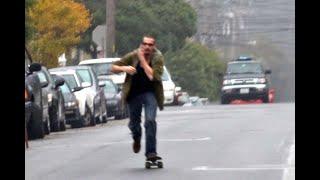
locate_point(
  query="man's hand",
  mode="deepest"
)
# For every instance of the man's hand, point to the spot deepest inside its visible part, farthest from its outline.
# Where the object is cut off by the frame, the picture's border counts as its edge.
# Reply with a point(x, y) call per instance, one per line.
point(141, 56)
point(129, 69)
point(144, 63)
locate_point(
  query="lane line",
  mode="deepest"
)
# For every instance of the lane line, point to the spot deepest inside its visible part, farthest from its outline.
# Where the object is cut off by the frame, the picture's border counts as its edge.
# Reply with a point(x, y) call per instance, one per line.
point(289, 173)
point(115, 142)
point(253, 168)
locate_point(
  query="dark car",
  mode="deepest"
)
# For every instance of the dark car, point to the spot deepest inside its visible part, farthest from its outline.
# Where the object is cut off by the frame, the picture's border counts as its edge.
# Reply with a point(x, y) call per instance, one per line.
point(245, 79)
point(72, 113)
point(53, 95)
point(34, 121)
point(113, 95)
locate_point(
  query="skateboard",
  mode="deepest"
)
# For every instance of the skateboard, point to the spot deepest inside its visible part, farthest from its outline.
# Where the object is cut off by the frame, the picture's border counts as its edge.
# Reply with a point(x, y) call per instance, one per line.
point(151, 163)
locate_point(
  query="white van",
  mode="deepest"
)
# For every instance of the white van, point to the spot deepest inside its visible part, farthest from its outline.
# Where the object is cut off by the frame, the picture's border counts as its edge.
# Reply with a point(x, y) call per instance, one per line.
point(168, 87)
point(102, 67)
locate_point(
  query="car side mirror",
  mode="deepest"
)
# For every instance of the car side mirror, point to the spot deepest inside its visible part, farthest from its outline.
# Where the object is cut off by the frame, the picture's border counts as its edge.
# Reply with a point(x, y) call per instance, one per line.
point(59, 81)
point(76, 89)
point(34, 67)
point(44, 84)
point(102, 84)
point(85, 84)
point(268, 71)
point(178, 88)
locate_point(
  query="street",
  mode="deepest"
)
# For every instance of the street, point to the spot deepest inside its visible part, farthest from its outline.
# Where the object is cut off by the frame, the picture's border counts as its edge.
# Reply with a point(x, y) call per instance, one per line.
point(225, 142)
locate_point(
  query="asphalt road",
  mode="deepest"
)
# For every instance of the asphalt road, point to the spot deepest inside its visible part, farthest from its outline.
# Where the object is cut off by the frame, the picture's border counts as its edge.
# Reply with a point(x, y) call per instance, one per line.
point(249, 142)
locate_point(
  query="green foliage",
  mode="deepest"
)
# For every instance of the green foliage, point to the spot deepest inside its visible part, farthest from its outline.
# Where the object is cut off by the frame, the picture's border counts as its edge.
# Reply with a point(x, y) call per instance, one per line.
point(171, 22)
point(29, 30)
point(196, 69)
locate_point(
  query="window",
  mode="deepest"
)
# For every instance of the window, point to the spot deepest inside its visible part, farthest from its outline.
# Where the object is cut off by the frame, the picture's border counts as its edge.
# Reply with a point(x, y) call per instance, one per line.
point(109, 87)
point(65, 88)
point(165, 75)
point(71, 80)
point(84, 75)
point(101, 68)
point(42, 77)
point(241, 68)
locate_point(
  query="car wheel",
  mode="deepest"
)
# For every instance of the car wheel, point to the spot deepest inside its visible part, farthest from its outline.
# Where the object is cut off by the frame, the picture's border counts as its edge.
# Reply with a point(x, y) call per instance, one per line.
point(90, 117)
point(224, 100)
point(62, 118)
point(265, 99)
point(118, 115)
point(35, 127)
point(62, 125)
point(47, 126)
point(54, 118)
point(79, 123)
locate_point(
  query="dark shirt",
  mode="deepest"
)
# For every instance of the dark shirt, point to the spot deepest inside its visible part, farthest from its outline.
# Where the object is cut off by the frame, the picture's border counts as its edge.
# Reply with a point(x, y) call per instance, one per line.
point(140, 83)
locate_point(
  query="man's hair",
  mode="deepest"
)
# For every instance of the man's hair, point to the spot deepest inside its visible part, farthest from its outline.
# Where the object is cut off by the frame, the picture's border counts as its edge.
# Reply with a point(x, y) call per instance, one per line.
point(149, 36)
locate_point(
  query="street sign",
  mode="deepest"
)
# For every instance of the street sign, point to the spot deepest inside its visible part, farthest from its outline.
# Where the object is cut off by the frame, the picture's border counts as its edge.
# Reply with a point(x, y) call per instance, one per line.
point(99, 36)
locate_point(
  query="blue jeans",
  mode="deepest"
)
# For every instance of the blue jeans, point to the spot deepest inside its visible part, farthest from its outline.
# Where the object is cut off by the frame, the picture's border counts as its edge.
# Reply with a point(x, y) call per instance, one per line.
point(150, 107)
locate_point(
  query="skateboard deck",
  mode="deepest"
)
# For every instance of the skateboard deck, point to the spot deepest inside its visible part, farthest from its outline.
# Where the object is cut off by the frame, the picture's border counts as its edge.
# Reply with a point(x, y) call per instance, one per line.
point(156, 163)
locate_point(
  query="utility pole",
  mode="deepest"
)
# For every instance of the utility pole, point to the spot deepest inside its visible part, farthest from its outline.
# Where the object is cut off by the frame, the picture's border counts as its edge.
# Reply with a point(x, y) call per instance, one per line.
point(110, 27)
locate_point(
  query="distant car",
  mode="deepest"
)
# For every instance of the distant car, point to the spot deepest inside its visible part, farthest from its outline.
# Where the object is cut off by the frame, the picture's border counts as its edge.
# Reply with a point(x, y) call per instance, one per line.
point(245, 79)
point(72, 113)
point(168, 87)
point(114, 102)
point(34, 121)
point(195, 101)
point(53, 98)
point(183, 98)
point(91, 97)
point(102, 67)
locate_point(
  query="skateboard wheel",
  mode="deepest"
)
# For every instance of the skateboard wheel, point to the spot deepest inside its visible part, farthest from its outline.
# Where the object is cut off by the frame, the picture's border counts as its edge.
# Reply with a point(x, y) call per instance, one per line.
point(148, 165)
point(160, 165)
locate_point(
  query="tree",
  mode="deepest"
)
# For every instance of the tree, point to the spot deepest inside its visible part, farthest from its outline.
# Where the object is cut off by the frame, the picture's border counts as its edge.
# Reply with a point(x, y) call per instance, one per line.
point(196, 69)
point(59, 25)
point(29, 30)
point(170, 21)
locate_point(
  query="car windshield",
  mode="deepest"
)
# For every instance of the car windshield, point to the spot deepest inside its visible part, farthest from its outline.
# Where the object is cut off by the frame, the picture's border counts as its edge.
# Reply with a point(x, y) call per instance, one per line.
point(165, 75)
point(42, 77)
point(84, 75)
point(101, 68)
point(65, 88)
point(109, 87)
point(71, 80)
point(242, 68)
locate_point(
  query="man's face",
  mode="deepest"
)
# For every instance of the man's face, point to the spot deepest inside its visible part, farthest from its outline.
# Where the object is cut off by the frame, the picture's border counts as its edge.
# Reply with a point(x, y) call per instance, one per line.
point(148, 45)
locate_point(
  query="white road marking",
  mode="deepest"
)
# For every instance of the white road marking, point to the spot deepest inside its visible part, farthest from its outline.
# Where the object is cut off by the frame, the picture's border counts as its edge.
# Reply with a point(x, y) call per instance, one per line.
point(113, 143)
point(289, 173)
point(250, 168)
point(181, 140)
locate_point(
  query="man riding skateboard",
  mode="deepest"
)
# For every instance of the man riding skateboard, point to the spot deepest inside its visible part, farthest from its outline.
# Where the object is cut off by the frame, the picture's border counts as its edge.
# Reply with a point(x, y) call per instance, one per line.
point(143, 88)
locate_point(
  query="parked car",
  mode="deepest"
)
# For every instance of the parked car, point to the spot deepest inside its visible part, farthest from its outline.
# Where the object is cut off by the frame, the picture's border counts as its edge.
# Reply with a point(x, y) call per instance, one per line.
point(102, 68)
point(34, 120)
point(245, 79)
point(92, 102)
point(183, 98)
point(168, 87)
point(55, 102)
point(72, 113)
point(114, 103)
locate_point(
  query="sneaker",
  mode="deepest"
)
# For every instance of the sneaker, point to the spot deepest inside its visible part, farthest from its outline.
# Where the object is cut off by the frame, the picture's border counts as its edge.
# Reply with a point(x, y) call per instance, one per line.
point(153, 157)
point(136, 146)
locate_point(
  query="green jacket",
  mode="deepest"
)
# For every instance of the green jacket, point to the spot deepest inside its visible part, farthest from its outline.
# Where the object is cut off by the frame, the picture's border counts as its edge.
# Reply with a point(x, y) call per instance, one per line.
point(157, 62)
